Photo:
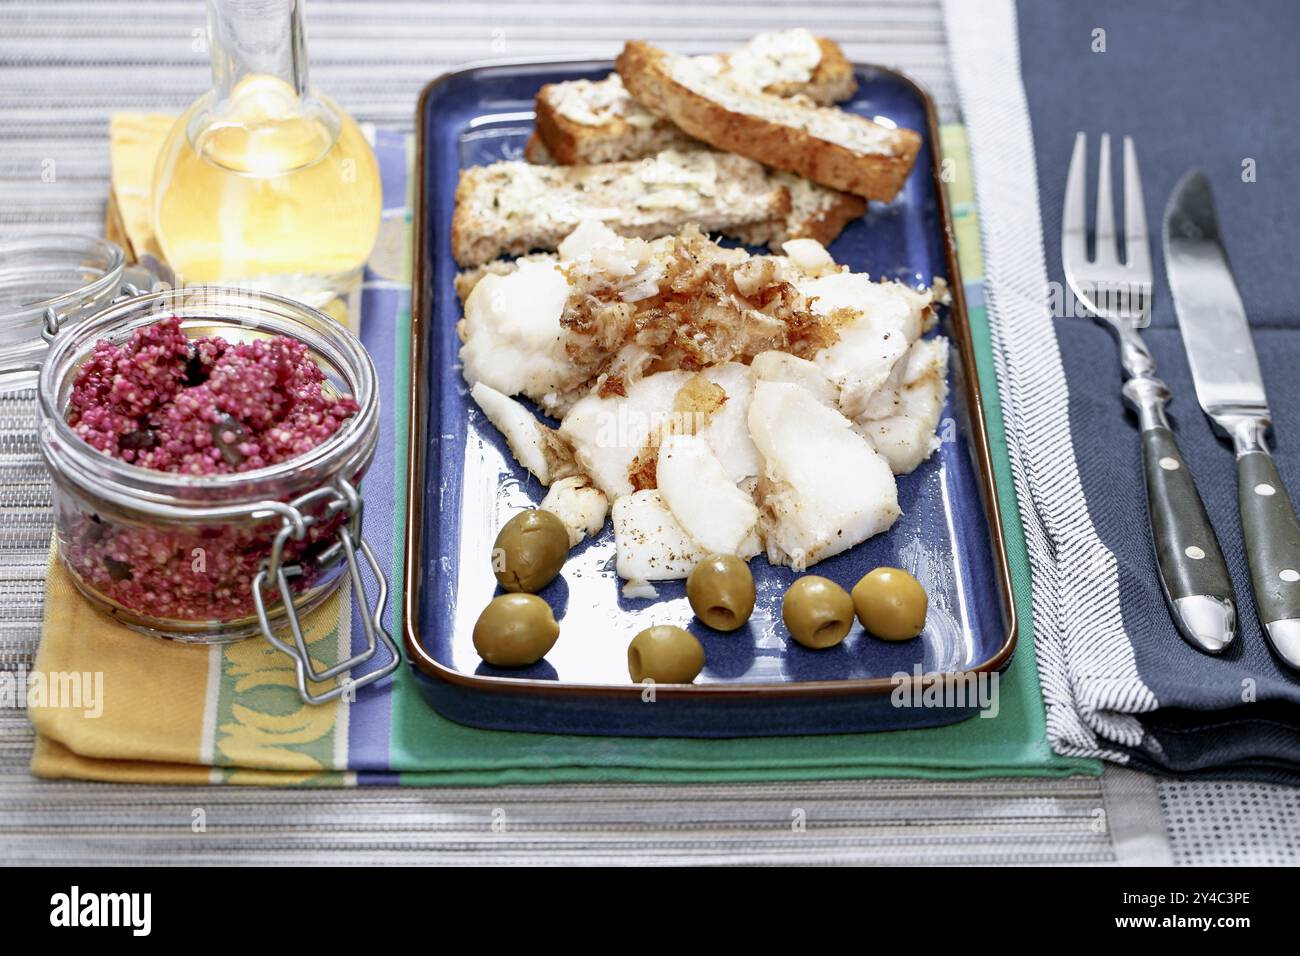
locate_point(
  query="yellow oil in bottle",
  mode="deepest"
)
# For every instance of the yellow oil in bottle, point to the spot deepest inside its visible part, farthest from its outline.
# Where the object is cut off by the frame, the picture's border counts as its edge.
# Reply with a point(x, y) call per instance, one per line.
point(269, 190)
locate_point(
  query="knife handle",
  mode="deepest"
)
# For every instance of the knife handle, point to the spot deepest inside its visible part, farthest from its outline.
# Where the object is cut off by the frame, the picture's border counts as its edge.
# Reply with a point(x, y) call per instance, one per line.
point(1187, 551)
point(1272, 534)
point(1193, 573)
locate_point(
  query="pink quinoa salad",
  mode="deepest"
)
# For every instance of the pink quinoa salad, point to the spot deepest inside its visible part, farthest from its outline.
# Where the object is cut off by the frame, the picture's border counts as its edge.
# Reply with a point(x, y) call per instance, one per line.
point(194, 407)
point(203, 407)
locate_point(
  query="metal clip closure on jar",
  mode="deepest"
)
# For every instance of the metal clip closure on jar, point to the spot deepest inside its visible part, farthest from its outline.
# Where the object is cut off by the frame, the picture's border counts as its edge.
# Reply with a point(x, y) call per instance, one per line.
point(193, 557)
point(344, 500)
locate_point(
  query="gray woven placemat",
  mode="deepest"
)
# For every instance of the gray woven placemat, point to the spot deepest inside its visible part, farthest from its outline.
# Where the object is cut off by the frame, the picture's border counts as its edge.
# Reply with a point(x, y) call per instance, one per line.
point(67, 66)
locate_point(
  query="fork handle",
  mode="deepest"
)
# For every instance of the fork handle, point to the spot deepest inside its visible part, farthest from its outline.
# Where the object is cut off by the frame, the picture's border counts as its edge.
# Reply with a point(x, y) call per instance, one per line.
point(1193, 574)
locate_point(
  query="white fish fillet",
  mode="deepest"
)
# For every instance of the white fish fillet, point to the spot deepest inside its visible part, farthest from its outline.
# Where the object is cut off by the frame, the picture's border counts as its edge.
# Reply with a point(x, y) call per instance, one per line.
point(713, 512)
point(512, 336)
point(784, 367)
point(608, 433)
point(523, 432)
point(900, 420)
point(727, 429)
point(810, 256)
point(824, 488)
point(815, 440)
point(579, 504)
point(890, 317)
point(649, 543)
point(603, 249)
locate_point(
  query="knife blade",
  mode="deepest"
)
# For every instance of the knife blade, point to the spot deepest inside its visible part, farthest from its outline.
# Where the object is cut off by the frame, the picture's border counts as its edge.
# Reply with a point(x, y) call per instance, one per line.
point(1230, 389)
point(1210, 312)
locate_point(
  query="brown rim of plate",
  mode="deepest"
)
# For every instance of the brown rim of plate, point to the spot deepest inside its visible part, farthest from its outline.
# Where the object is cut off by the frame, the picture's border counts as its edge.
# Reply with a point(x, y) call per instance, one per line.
point(421, 299)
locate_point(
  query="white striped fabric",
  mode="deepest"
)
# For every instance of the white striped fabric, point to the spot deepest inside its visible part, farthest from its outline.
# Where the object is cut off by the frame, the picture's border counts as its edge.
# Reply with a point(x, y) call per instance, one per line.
point(1086, 666)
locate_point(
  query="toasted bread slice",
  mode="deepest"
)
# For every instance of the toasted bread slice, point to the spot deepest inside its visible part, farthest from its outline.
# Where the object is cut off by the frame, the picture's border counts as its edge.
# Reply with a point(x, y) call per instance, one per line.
point(585, 121)
point(535, 151)
point(832, 81)
point(514, 207)
point(831, 147)
point(598, 121)
point(816, 212)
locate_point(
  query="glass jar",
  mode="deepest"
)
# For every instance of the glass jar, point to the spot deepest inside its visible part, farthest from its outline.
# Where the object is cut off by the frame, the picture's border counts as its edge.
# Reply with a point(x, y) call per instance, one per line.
point(218, 557)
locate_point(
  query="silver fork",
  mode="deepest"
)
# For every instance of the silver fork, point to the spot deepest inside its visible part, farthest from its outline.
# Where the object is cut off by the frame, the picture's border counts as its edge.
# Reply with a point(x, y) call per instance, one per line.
point(1193, 574)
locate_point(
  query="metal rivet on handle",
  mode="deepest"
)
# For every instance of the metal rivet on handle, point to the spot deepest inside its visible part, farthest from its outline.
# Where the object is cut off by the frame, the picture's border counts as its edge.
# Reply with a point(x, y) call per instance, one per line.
point(1194, 552)
point(1264, 489)
point(1289, 575)
point(1169, 464)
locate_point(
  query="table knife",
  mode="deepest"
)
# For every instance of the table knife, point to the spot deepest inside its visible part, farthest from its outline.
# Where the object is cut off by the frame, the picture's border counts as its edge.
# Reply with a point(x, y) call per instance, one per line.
point(1230, 390)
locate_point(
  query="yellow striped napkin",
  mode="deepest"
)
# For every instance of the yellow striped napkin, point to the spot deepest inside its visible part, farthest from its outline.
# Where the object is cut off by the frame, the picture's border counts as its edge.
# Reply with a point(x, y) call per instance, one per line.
point(174, 713)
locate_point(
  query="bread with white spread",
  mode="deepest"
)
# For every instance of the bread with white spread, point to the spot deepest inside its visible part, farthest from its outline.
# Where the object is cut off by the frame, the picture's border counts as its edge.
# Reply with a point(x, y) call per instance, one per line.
point(515, 207)
point(829, 146)
point(598, 121)
point(535, 151)
point(816, 212)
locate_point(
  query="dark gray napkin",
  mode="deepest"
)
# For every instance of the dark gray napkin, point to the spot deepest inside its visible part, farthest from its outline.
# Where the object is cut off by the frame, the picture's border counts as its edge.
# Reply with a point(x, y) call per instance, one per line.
point(1205, 84)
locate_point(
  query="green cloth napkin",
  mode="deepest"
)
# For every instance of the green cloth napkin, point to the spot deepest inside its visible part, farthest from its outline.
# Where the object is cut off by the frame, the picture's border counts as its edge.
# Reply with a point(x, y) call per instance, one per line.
point(428, 750)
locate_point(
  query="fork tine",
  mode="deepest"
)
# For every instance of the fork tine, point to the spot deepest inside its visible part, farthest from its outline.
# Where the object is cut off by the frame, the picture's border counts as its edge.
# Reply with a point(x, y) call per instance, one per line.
point(1074, 219)
point(1105, 252)
point(1137, 246)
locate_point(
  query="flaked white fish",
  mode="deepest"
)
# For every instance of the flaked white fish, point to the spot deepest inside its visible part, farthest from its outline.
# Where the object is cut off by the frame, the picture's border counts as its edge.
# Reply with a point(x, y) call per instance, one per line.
point(609, 435)
point(513, 340)
point(900, 420)
point(649, 542)
point(784, 367)
point(532, 443)
point(824, 488)
point(713, 512)
point(579, 504)
point(890, 317)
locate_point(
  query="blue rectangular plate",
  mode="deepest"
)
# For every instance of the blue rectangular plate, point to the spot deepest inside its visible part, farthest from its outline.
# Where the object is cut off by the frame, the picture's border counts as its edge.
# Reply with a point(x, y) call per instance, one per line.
point(463, 484)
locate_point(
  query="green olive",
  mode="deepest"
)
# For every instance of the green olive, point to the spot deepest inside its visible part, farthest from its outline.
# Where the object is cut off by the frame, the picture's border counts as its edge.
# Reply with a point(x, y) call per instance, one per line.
point(666, 655)
point(817, 611)
point(515, 630)
point(891, 604)
point(530, 550)
point(721, 591)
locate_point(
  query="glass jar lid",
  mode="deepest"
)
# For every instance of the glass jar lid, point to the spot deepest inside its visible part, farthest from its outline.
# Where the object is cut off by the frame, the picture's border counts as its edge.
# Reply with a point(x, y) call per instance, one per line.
point(72, 276)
